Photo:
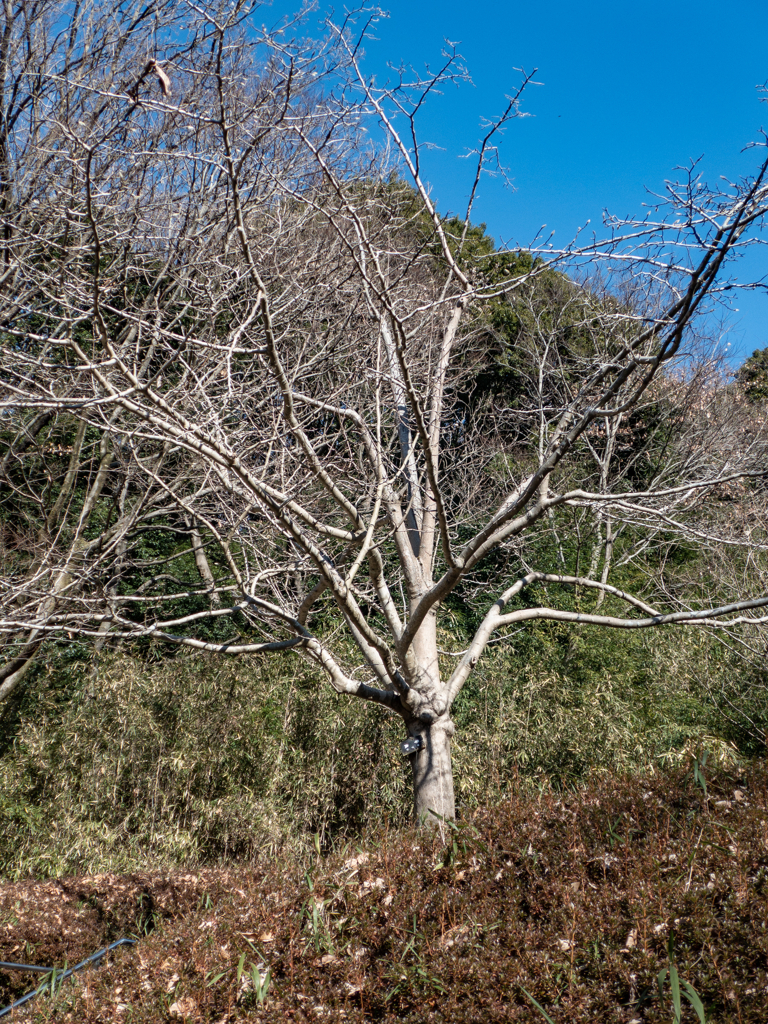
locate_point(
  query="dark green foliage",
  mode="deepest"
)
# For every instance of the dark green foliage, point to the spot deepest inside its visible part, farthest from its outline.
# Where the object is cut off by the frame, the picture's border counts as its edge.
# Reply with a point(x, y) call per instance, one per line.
point(753, 376)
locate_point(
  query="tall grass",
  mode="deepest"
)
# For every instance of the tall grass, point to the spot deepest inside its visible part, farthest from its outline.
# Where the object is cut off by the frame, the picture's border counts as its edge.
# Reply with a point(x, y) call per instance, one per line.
point(127, 762)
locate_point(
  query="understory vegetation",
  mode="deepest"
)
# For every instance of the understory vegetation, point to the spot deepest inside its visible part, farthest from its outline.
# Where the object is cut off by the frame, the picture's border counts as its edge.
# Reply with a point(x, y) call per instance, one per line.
point(119, 762)
point(589, 903)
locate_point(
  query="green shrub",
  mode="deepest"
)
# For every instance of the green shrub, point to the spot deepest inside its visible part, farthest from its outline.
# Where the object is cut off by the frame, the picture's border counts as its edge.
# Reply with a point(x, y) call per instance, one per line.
point(121, 763)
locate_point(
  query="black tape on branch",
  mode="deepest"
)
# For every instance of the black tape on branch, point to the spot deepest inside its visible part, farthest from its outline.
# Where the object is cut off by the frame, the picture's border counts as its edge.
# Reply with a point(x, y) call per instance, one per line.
point(94, 958)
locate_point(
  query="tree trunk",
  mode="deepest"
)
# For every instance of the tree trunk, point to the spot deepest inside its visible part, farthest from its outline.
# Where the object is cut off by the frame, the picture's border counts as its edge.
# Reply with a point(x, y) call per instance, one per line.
point(432, 771)
point(431, 765)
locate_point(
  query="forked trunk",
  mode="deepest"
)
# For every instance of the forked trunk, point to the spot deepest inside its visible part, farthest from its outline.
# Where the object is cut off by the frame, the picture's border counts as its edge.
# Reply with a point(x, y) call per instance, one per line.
point(433, 798)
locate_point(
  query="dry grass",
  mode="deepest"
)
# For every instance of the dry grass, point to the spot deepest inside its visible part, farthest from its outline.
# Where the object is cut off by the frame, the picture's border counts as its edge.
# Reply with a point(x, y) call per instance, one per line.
point(573, 898)
point(203, 760)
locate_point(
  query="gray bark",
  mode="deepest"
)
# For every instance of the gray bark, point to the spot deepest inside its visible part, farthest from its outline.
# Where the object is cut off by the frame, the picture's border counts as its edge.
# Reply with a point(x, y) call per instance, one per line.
point(433, 797)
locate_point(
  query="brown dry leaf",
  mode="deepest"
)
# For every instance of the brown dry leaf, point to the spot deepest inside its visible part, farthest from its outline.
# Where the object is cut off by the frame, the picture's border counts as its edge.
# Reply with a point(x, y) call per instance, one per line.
point(185, 1007)
point(162, 77)
point(455, 936)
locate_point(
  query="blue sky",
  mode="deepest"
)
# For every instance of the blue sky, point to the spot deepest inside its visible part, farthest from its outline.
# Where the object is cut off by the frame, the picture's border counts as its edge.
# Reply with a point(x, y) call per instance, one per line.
point(629, 92)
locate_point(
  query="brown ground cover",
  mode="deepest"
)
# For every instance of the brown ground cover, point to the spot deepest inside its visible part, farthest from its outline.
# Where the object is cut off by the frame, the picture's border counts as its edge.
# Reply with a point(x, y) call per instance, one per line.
point(572, 897)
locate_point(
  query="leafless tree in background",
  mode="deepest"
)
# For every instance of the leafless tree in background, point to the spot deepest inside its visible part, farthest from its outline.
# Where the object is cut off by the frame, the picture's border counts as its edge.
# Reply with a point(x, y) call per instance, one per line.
point(227, 318)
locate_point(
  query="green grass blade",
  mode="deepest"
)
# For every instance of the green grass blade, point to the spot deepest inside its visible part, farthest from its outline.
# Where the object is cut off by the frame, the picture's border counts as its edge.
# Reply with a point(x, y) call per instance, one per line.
point(661, 978)
point(693, 998)
point(674, 983)
point(539, 1007)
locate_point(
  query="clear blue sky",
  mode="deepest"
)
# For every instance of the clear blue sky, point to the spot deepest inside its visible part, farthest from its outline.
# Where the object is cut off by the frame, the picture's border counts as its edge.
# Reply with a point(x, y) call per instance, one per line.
point(630, 91)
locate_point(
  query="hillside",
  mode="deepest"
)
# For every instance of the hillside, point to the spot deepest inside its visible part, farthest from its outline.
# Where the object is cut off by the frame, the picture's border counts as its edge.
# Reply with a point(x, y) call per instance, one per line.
point(573, 897)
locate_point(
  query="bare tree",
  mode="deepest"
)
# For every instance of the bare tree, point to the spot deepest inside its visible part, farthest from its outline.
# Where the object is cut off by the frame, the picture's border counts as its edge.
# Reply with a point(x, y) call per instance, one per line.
point(237, 335)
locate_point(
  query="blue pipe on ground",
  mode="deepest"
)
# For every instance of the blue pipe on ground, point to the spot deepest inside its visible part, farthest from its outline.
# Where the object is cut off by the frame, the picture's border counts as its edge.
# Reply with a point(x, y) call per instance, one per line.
point(94, 958)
